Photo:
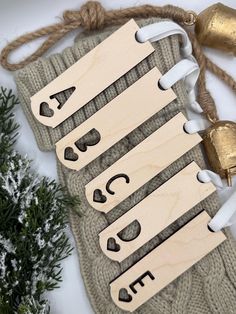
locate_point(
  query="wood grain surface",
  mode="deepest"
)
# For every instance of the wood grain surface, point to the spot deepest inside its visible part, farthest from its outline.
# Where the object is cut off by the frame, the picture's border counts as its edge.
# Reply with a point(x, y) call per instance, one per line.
point(115, 120)
point(93, 73)
point(141, 164)
point(165, 263)
point(156, 212)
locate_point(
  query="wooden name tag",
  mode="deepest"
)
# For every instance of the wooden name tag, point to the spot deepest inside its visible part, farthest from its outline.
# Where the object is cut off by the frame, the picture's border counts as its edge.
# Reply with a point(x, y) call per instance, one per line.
point(114, 121)
point(89, 76)
point(165, 263)
point(156, 212)
point(140, 164)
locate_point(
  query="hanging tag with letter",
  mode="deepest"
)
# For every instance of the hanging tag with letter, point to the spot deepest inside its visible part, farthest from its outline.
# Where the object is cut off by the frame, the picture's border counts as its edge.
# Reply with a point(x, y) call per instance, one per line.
point(140, 164)
point(89, 76)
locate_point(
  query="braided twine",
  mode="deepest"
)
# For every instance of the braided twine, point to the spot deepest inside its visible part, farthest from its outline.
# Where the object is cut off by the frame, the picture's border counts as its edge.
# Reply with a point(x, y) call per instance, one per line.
point(93, 16)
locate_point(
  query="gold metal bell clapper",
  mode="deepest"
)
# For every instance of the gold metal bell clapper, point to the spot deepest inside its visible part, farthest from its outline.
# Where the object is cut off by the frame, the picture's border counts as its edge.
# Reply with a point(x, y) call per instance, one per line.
point(220, 144)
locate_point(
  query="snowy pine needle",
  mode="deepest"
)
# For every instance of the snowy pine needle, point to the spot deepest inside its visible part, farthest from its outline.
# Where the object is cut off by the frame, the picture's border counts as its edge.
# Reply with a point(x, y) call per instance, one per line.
point(33, 218)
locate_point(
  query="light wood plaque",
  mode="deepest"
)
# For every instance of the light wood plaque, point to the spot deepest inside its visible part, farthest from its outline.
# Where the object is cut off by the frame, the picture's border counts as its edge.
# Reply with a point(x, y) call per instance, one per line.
point(93, 73)
point(140, 165)
point(156, 212)
point(115, 120)
point(165, 263)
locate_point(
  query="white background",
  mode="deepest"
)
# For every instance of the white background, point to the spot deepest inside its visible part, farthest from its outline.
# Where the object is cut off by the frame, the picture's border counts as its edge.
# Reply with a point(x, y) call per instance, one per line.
point(18, 17)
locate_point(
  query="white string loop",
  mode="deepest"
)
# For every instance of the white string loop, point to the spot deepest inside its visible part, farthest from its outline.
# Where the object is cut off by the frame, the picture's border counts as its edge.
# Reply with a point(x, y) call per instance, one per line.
point(206, 176)
point(188, 70)
point(195, 126)
point(194, 105)
point(157, 31)
point(226, 216)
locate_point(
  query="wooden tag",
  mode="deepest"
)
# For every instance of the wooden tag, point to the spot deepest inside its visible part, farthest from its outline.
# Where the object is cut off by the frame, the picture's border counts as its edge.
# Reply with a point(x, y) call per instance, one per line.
point(165, 263)
point(114, 121)
point(156, 212)
point(140, 164)
point(89, 76)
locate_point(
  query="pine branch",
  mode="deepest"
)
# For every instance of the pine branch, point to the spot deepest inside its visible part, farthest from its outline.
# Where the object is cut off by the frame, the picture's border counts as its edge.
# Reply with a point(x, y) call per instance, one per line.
point(33, 220)
point(8, 126)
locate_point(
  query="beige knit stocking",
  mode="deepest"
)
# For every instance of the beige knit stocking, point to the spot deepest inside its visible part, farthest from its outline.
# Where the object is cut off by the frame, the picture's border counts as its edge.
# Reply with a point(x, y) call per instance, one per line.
point(209, 286)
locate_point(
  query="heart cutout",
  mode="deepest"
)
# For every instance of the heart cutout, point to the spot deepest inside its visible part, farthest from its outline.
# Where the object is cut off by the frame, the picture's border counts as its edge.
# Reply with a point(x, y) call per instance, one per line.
point(69, 154)
point(45, 110)
point(124, 296)
point(112, 245)
point(98, 197)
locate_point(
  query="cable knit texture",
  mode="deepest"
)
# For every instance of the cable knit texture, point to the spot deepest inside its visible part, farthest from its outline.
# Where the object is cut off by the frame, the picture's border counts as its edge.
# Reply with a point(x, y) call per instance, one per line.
point(209, 286)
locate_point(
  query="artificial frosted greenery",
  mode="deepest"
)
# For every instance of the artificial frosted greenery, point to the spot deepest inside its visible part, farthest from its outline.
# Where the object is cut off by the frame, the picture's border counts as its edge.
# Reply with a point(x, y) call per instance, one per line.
point(33, 218)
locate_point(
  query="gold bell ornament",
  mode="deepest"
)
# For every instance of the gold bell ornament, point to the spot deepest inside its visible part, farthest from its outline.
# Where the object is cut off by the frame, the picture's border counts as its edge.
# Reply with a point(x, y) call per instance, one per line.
point(220, 145)
point(215, 27)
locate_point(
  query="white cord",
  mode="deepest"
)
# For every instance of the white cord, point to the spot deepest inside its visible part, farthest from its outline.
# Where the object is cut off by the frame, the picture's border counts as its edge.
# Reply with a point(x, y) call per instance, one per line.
point(226, 216)
point(188, 70)
point(206, 176)
point(194, 126)
point(157, 31)
point(194, 105)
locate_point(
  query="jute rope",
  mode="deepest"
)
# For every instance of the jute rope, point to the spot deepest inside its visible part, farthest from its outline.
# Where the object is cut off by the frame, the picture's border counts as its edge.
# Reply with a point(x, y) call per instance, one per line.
point(93, 16)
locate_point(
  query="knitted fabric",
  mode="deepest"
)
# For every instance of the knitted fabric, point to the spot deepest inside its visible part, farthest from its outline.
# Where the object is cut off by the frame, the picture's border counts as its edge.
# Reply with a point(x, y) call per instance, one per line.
point(210, 285)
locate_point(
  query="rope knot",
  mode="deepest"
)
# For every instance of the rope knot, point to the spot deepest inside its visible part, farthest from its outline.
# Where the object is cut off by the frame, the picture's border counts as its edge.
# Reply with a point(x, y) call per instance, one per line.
point(91, 16)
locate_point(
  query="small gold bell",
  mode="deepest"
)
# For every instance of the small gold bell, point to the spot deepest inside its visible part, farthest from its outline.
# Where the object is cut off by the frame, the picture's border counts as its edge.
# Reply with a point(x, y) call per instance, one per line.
point(215, 27)
point(220, 145)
